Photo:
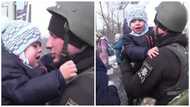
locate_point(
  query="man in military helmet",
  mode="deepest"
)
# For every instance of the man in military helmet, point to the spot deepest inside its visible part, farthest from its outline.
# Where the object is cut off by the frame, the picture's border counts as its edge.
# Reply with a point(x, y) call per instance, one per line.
point(166, 75)
point(71, 38)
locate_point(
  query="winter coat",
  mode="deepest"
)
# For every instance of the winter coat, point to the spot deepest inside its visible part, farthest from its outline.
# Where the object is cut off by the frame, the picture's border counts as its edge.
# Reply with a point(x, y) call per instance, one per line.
point(105, 95)
point(135, 48)
point(80, 90)
point(162, 77)
point(23, 85)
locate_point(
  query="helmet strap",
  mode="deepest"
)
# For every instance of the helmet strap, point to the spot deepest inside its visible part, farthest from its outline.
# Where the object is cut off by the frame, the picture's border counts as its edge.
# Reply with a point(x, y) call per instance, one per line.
point(65, 53)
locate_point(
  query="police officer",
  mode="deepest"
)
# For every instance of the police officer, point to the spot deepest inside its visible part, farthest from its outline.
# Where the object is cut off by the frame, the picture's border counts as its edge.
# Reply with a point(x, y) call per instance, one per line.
point(164, 76)
point(71, 38)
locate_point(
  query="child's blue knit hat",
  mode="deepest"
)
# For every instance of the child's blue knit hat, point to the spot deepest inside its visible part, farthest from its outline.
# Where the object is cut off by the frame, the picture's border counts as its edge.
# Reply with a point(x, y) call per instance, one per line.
point(136, 12)
point(19, 35)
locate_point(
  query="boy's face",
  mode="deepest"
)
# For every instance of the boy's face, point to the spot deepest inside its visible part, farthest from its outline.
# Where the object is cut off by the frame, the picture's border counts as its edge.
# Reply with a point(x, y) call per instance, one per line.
point(137, 25)
point(33, 53)
point(159, 31)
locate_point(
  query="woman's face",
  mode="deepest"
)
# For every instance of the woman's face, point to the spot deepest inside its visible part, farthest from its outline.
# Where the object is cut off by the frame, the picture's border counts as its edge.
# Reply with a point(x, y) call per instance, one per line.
point(137, 25)
point(33, 53)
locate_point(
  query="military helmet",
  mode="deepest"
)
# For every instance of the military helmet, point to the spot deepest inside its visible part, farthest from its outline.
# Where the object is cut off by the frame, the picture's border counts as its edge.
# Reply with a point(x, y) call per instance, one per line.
point(80, 17)
point(172, 15)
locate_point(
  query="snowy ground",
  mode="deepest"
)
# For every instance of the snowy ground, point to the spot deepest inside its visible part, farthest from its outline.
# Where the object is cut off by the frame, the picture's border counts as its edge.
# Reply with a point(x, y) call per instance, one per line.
point(114, 74)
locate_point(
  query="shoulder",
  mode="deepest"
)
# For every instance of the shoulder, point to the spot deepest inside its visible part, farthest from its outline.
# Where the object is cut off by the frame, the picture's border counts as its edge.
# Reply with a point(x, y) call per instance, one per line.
point(128, 37)
point(12, 66)
point(164, 58)
point(165, 52)
point(9, 59)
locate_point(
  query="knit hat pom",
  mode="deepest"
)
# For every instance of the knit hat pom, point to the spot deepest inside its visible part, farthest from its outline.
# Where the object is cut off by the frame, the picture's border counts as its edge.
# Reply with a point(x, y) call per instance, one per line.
point(136, 12)
point(19, 35)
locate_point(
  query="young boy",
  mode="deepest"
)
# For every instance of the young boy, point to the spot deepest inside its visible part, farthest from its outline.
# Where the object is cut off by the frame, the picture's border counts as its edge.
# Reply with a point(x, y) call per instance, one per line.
point(138, 42)
point(22, 82)
point(23, 40)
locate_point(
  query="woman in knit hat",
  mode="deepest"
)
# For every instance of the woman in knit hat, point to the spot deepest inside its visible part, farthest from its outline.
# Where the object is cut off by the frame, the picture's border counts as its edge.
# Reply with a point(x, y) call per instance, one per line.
point(22, 81)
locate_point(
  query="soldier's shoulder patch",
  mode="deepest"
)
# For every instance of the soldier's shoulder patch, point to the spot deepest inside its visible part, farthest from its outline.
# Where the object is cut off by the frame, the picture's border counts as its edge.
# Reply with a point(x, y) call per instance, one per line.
point(144, 71)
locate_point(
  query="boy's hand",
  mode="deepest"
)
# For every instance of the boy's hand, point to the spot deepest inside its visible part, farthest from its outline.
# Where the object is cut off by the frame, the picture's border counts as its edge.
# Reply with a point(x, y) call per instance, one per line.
point(68, 69)
point(153, 52)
